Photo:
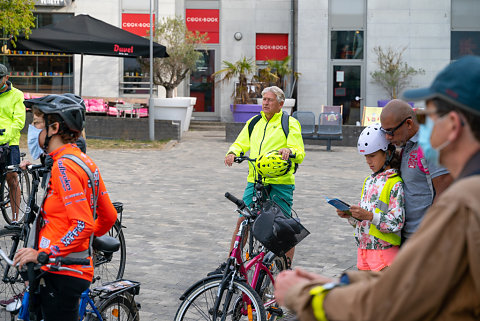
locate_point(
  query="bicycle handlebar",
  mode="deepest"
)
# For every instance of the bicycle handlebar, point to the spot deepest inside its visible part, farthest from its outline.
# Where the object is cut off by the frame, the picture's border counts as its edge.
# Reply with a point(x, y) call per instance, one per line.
point(239, 203)
point(241, 158)
point(59, 261)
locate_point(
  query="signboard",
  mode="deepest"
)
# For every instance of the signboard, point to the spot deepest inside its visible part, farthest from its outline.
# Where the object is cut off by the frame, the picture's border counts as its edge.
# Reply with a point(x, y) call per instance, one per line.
point(53, 3)
point(371, 115)
point(204, 21)
point(271, 46)
point(137, 23)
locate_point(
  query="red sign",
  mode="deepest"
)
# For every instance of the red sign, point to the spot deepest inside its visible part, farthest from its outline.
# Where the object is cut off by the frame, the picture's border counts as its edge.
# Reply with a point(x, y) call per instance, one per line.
point(271, 46)
point(204, 20)
point(137, 23)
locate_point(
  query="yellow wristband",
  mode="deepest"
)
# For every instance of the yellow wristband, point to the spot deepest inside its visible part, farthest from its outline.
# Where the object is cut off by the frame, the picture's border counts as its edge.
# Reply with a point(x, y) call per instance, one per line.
point(318, 296)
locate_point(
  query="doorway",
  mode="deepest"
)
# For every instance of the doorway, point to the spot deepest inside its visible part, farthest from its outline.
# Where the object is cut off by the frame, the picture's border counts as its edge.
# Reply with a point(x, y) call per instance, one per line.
point(347, 91)
point(202, 86)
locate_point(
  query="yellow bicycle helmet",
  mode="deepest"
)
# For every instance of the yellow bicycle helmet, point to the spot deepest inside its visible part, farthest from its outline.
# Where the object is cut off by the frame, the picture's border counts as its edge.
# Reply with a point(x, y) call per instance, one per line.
point(272, 164)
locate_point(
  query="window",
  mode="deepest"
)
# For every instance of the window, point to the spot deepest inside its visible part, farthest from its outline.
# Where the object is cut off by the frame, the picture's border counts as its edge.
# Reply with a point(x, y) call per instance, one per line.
point(41, 71)
point(347, 44)
point(465, 33)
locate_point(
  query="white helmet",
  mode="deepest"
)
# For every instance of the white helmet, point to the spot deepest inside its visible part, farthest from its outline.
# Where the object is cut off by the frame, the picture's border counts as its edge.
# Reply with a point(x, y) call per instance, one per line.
point(372, 139)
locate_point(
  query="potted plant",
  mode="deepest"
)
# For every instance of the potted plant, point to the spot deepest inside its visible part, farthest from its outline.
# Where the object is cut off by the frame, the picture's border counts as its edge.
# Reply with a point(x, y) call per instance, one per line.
point(244, 105)
point(394, 74)
point(169, 72)
point(278, 71)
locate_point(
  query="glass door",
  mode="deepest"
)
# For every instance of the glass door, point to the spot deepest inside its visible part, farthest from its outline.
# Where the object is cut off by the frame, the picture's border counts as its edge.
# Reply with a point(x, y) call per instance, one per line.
point(202, 86)
point(346, 91)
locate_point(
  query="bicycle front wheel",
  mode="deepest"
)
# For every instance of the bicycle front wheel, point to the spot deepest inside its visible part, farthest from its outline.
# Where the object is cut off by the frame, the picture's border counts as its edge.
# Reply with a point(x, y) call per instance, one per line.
point(242, 303)
point(117, 308)
point(12, 286)
point(110, 266)
point(14, 200)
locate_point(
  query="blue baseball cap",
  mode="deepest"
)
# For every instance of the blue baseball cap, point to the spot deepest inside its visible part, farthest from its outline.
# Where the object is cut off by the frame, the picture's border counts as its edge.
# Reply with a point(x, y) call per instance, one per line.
point(458, 83)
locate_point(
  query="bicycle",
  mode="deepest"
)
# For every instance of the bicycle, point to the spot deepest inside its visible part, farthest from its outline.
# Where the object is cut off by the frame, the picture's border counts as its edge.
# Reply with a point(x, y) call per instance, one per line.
point(231, 294)
point(111, 301)
point(5, 194)
point(12, 237)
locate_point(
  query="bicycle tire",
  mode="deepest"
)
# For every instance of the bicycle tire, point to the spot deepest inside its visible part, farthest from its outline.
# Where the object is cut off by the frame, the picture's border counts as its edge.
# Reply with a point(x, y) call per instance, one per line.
point(198, 303)
point(115, 308)
point(106, 268)
point(5, 205)
point(13, 286)
point(265, 287)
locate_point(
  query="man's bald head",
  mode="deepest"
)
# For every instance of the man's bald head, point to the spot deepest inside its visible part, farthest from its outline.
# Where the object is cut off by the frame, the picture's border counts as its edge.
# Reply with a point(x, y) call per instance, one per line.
point(399, 117)
point(396, 110)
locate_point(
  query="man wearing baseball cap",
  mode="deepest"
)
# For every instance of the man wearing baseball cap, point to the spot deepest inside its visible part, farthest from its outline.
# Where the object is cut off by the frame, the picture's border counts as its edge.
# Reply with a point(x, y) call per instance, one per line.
point(12, 120)
point(436, 275)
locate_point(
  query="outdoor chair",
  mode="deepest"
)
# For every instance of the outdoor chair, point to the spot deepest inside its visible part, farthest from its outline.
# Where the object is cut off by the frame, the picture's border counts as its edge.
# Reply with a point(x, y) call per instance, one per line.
point(332, 109)
point(307, 122)
point(329, 128)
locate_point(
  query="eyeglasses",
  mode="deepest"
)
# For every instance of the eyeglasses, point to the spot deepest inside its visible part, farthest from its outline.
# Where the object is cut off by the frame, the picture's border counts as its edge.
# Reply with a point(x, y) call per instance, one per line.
point(392, 131)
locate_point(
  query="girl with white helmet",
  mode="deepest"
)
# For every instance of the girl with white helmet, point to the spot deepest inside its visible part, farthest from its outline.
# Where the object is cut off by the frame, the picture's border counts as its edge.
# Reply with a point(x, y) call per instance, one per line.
point(379, 216)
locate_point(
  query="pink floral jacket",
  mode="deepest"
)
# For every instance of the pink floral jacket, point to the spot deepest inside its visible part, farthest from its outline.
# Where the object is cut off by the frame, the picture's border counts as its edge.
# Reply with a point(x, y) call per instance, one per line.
point(387, 222)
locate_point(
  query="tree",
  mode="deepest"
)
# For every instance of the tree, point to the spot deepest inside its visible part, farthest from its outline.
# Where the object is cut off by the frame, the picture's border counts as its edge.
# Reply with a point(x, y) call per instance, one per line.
point(16, 16)
point(181, 47)
point(239, 69)
point(394, 74)
point(281, 69)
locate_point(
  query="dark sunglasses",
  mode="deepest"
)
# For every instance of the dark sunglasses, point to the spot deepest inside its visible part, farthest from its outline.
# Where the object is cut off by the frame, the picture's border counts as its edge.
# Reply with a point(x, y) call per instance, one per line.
point(392, 131)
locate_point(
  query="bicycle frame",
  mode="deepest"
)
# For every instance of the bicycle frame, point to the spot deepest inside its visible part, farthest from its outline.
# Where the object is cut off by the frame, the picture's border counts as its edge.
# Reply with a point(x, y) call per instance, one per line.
point(84, 302)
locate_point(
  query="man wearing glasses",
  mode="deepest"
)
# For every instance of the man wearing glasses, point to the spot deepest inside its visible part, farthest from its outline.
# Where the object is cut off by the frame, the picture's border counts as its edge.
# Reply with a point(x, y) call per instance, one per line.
point(436, 275)
point(423, 179)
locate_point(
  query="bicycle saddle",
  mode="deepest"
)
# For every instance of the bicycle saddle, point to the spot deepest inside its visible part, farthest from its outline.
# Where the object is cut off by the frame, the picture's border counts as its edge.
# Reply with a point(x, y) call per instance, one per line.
point(106, 243)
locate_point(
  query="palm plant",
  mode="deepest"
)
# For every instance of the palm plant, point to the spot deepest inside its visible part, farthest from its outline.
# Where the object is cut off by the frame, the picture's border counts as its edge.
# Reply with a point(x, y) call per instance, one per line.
point(239, 69)
point(281, 69)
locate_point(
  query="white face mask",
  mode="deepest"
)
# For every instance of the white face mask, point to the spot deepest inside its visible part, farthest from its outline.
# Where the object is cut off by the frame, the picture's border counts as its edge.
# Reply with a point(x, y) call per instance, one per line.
point(33, 143)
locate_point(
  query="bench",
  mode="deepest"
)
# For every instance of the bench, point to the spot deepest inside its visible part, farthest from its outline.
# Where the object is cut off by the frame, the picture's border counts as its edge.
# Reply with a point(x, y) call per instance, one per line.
point(329, 126)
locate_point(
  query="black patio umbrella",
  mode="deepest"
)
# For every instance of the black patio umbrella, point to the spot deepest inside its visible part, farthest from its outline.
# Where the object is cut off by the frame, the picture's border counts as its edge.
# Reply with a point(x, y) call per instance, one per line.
point(85, 35)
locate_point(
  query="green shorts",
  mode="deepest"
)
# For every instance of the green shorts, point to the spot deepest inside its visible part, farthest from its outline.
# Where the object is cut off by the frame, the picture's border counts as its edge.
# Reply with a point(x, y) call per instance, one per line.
point(279, 193)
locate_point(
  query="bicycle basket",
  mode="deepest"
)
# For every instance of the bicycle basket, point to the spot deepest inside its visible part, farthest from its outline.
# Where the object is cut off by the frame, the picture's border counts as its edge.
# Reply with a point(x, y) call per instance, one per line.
point(277, 232)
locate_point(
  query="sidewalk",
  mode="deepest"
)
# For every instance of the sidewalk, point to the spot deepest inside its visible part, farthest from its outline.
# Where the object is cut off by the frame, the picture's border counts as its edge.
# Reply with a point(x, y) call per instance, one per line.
point(179, 224)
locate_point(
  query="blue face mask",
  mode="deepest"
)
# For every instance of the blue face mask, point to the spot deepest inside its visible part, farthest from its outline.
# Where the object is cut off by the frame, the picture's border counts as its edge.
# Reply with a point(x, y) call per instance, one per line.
point(33, 143)
point(431, 154)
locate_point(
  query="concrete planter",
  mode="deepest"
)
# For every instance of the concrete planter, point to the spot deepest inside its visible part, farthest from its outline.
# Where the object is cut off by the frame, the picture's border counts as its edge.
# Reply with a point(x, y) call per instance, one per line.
point(178, 109)
point(287, 105)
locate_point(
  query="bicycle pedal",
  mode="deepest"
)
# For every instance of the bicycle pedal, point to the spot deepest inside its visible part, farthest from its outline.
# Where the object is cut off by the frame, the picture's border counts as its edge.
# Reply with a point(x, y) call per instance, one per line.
point(275, 310)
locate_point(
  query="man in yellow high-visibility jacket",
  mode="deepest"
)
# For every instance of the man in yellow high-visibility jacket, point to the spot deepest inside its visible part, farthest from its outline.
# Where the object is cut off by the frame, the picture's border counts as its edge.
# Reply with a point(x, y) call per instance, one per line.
point(12, 121)
point(268, 135)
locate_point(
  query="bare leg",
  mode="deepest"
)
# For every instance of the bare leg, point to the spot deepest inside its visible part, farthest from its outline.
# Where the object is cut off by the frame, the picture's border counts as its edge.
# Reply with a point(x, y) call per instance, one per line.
point(237, 227)
point(14, 193)
point(289, 256)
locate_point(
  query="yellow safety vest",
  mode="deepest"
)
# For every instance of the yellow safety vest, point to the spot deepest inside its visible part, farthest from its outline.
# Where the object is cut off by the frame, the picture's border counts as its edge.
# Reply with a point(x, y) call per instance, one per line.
point(393, 238)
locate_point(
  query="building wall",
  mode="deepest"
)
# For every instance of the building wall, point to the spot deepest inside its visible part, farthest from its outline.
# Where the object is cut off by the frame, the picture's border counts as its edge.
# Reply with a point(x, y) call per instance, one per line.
point(313, 54)
point(422, 27)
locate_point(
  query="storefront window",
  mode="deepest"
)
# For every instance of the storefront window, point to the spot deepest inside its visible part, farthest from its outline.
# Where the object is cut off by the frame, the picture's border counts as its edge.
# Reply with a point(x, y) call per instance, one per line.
point(134, 80)
point(41, 71)
point(464, 43)
point(465, 35)
point(347, 44)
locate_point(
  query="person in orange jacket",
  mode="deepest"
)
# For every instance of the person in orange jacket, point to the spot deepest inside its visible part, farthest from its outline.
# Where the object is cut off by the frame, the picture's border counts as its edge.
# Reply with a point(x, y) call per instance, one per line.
point(67, 215)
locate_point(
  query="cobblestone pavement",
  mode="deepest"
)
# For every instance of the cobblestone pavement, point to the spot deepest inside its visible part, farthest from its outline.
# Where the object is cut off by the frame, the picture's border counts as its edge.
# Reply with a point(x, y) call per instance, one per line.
point(179, 224)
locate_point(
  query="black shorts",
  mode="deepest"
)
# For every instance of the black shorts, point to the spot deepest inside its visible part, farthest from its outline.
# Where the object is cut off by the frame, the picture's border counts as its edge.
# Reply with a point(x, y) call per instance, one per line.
point(14, 157)
point(60, 296)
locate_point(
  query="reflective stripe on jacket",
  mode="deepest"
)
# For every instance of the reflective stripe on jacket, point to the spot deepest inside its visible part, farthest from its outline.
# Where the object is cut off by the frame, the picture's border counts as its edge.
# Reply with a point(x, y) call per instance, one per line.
point(12, 115)
point(267, 136)
point(393, 238)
